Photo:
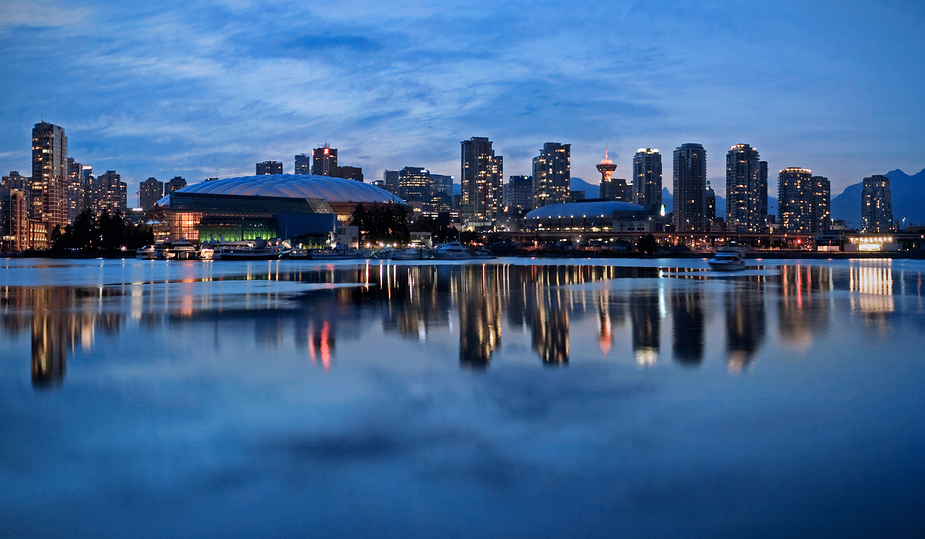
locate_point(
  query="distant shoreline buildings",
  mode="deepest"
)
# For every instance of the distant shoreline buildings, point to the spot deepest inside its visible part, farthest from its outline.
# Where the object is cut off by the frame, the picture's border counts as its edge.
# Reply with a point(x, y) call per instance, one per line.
point(60, 188)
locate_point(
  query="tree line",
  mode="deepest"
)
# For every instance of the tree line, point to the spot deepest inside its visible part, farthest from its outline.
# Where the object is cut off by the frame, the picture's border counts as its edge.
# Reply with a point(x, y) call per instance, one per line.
point(107, 234)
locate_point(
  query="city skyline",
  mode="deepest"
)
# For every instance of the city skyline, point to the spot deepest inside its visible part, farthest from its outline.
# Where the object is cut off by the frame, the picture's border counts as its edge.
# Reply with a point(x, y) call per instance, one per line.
point(200, 91)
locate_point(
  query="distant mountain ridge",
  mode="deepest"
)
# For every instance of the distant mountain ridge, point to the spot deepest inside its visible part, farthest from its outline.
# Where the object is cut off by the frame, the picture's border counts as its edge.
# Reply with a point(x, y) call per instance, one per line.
point(907, 194)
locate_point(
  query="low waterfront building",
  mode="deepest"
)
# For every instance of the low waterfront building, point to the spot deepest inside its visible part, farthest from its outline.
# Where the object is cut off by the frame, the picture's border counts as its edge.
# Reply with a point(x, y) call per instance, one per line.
point(264, 207)
point(602, 216)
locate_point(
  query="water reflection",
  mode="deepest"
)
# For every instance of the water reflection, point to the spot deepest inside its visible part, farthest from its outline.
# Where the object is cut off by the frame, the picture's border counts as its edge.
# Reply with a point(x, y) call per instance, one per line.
point(544, 306)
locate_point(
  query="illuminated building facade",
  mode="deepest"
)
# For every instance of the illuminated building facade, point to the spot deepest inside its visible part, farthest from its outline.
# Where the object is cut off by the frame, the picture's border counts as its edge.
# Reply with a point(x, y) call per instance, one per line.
point(690, 184)
point(647, 179)
point(270, 167)
point(746, 190)
point(876, 205)
point(709, 199)
point(77, 189)
point(303, 164)
point(390, 180)
point(795, 200)
point(108, 193)
point(49, 175)
point(822, 208)
point(482, 185)
point(552, 174)
point(583, 217)
point(415, 186)
point(518, 193)
point(149, 192)
point(14, 213)
point(613, 188)
point(324, 161)
point(350, 173)
point(265, 207)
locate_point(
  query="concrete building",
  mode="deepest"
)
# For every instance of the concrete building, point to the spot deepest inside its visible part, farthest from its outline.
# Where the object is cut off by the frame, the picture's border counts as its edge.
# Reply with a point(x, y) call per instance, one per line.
point(269, 167)
point(589, 217)
point(174, 185)
point(518, 193)
point(350, 173)
point(746, 190)
point(876, 205)
point(552, 174)
point(324, 161)
point(390, 181)
point(303, 164)
point(108, 193)
point(482, 185)
point(689, 188)
point(149, 192)
point(647, 179)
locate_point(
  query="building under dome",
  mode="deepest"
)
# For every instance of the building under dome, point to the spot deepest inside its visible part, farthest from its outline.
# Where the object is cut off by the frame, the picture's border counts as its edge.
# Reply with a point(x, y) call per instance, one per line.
point(266, 206)
point(602, 216)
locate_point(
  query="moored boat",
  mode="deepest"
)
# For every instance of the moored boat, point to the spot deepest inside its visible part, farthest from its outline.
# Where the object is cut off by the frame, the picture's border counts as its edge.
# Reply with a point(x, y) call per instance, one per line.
point(727, 260)
point(251, 250)
point(452, 251)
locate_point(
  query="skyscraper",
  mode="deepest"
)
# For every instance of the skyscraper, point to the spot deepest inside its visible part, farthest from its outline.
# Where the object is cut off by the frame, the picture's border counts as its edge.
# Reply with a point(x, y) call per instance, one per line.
point(303, 164)
point(552, 174)
point(647, 178)
point(350, 173)
point(822, 208)
point(49, 175)
point(324, 161)
point(876, 205)
point(149, 192)
point(482, 185)
point(795, 200)
point(690, 184)
point(269, 167)
point(746, 189)
point(710, 201)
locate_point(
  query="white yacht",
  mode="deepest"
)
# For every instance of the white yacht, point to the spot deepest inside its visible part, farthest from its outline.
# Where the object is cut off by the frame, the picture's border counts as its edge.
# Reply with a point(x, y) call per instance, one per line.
point(452, 251)
point(727, 260)
point(251, 250)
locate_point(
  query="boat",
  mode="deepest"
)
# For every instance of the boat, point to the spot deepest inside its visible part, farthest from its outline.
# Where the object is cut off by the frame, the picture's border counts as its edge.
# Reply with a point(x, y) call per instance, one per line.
point(328, 254)
point(175, 250)
point(412, 253)
point(452, 251)
point(148, 252)
point(727, 260)
point(251, 250)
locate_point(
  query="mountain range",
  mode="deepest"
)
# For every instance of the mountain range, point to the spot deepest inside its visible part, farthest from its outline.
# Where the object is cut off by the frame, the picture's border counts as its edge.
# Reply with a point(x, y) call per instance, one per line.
point(907, 195)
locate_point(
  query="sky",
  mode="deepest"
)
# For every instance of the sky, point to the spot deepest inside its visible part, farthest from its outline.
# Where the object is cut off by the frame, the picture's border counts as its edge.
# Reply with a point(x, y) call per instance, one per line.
point(207, 89)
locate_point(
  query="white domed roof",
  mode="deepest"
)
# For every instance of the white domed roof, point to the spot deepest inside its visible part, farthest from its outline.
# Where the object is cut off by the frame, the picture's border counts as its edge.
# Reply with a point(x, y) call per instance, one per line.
point(292, 186)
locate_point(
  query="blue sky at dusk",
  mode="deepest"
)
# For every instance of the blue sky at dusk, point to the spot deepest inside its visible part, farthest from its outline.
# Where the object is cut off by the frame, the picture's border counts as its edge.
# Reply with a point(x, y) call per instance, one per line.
point(201, 89)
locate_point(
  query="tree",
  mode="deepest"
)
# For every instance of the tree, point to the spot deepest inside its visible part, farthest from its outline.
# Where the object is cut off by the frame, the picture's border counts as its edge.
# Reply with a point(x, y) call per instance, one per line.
point(647, 244)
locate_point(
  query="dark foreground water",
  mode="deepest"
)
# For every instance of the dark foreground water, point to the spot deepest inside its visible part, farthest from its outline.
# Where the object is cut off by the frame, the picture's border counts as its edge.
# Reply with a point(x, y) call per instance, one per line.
point(512, 398)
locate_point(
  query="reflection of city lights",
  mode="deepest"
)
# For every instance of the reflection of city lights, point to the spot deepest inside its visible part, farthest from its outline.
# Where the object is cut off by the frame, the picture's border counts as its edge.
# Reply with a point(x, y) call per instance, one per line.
point(646, 357)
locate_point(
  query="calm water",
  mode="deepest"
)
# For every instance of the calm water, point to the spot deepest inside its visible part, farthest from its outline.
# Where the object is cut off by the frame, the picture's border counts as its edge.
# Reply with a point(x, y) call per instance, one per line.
point(512, 398)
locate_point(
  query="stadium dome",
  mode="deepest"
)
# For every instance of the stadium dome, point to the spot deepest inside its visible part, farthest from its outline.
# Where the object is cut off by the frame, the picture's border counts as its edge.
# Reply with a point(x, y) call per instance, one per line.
point(333, 190)
point(578, 209)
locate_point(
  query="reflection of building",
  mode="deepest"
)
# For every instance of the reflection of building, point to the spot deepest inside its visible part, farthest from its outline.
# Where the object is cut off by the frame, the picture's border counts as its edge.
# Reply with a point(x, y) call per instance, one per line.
point(745, 324)
point(871, 285)
point(687, 325)
point(876, 205)
point(479, 316)
point(690, 184)
point(646, 319)
point(551, 325)
point(482, 174)
point(805, 302)
point(552, 174)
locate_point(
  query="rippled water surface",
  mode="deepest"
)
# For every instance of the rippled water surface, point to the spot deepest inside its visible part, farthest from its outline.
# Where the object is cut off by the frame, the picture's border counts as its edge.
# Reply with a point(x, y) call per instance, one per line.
point(510, 398)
